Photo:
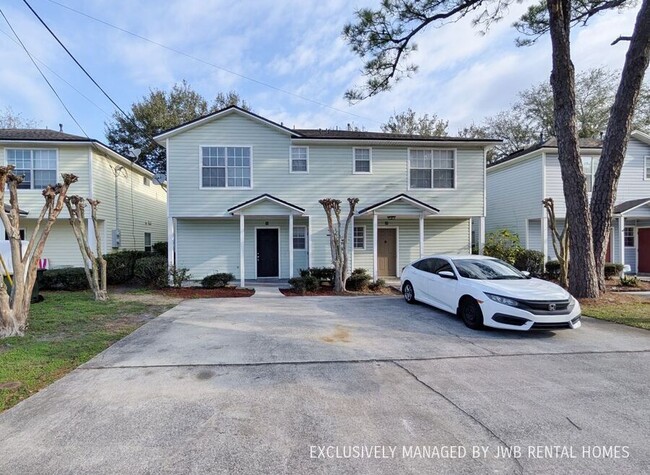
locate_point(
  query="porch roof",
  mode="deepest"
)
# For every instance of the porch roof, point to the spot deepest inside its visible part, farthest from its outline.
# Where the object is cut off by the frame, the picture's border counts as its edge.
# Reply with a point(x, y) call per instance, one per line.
point(631, 205)
point(417, 204)
point(293, 209)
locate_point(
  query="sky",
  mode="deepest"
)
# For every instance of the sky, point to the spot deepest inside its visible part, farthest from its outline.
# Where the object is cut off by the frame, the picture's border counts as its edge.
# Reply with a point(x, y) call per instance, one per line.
point(286, 58)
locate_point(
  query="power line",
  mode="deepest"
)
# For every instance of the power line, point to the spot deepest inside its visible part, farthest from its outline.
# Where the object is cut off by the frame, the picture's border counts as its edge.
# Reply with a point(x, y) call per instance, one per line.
point(195, 58)
point(43, 74)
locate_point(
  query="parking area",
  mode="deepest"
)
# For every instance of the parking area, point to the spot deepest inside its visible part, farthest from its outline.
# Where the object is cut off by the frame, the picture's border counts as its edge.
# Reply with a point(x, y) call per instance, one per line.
point(345, 385)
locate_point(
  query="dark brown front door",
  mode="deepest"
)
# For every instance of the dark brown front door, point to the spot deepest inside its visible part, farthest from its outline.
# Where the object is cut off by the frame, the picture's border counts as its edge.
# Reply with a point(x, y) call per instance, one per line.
point(644, 250)
point(387, 252)
point(268, 259)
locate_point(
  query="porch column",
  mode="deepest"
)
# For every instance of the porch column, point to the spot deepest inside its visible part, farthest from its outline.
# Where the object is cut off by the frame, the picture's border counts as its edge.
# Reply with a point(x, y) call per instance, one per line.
point(309, 247)
point(421, 235)
point(352, 244)
point(481, 234)
point(544, 236)
point(374, 247)
point(242, 235)
point(290, 246)
point(621, 238)
point(92, 240)
point(171, 242)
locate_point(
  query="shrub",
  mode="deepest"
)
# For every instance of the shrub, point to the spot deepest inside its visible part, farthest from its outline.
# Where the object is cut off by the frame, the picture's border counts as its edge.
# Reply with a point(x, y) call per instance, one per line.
point(160, 248)
point(553, 269)
point(629, 281)
point(531, 261)
point(359, 280)
point(151, 271)
point(73, 278)
point(502, 244)
point(323, 274)
point(179, 275)
point(307, 283)
point(220, 279)
point(377, 285)
point(120, 265)
point(612, 269)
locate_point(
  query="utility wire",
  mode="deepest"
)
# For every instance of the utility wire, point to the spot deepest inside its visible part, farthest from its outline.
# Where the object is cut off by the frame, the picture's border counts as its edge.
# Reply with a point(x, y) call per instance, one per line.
point(43, 74)
point(195, 58)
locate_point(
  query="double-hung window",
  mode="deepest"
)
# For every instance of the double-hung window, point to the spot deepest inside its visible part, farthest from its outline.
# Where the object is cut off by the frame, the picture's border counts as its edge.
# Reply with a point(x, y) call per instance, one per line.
point(432, 168)
point(628, 237)
point(359, 237)
point(589, 166)
point(147, 243)
point(362, 160)
point(646, 168)
point(299, 160)
point(38, 166)
point(299, 238)
point(226, 167)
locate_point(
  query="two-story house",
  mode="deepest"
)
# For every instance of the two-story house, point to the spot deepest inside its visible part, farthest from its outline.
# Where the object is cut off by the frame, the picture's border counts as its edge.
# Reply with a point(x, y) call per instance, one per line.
point(517, 185)
point(244, 195)
point(132, 213)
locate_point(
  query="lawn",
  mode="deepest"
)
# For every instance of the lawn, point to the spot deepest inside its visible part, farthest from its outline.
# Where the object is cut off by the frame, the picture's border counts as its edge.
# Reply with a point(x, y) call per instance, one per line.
point(65, 330)
point(627, 309)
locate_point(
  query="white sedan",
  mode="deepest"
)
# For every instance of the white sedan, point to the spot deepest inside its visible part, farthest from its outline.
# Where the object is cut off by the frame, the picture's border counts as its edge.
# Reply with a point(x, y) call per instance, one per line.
point(487, 291)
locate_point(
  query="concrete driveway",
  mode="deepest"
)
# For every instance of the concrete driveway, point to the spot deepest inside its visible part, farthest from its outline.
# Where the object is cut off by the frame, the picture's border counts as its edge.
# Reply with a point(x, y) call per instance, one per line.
point(343, 385)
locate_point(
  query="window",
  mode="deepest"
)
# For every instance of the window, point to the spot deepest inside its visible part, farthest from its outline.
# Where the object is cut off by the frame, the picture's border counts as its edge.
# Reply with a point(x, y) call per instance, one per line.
point(146, 181)
point(362, 160)
point(147, 243)
point(589, 166)
point(22, 235)
point(38, 167)
point(628, 237)
point(299, 238)
point(226, 167)
point(299, 160)
point(647, 168)
point(359, 237)
point(432, 168)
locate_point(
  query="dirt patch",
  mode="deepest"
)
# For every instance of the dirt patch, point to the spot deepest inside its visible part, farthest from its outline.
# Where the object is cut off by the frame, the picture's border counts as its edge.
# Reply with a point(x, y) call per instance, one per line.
point(11, 385)
point(614, 285)
point(340, 335)
point(201, 293)
point(149, 298)
point(328, 291)
point(127, 322)
point(616, 298)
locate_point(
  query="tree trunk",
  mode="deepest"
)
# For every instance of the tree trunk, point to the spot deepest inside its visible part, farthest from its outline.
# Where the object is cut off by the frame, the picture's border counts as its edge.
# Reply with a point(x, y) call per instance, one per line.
point(583, 281)
point(616, 138)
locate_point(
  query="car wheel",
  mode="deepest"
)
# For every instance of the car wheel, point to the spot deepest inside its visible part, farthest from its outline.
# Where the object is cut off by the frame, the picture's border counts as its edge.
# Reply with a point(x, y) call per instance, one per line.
point(471, 313)
point(409, 293)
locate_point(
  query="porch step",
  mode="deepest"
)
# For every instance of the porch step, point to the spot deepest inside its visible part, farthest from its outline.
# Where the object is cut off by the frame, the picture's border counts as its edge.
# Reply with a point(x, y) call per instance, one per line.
point(266, 291)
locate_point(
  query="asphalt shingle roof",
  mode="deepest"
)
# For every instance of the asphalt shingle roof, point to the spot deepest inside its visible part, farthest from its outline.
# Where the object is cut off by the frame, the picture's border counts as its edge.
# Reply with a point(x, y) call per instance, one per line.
point(40, 134)
point(363, 135)
point(628, 205)
point(550, 143)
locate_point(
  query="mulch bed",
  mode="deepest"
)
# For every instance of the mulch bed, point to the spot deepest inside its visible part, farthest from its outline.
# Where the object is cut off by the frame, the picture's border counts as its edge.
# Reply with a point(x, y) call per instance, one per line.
point(201, 293)
point(614, 285)
point(329, 291)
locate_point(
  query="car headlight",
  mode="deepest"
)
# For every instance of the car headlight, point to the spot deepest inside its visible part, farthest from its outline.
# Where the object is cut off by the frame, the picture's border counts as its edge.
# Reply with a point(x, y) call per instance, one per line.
point(503, 300)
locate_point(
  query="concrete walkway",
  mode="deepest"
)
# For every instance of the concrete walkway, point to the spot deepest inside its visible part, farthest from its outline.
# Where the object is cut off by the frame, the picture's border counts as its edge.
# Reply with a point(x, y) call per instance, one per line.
point(261, 385)
point(265, 291)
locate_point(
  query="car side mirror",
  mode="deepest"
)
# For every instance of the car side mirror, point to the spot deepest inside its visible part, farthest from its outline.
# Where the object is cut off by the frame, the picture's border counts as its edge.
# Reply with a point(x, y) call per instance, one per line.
point(526, 274)
point(446, 274)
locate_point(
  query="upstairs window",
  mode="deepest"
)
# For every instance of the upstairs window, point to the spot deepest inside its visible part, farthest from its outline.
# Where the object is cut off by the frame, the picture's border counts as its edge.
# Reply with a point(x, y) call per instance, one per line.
point(432, 168)
point(299, 238)
point(589, 167)
point(38, 167)
point(362, 160)
point(359, 237)
point(299, 160)
point(146, 181)
point(226, 167)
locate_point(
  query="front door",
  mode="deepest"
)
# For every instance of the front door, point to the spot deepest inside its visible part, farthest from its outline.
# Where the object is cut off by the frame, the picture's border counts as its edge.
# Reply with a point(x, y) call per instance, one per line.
point(644, 250)
point(387, 252)
point(268, 258)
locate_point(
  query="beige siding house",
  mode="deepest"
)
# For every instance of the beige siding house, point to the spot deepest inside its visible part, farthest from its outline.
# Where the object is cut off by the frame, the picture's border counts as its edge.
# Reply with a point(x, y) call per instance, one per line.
point(139, 212)
point(244, 191)
point(517, 185)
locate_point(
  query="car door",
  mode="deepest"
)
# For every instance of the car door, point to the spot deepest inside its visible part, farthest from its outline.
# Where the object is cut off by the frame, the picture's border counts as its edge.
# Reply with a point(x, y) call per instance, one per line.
point(421, 280)
point(445, 289)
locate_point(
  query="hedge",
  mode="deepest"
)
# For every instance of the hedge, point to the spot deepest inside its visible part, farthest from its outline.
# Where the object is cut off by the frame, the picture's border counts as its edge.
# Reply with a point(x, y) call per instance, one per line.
point(72, 278)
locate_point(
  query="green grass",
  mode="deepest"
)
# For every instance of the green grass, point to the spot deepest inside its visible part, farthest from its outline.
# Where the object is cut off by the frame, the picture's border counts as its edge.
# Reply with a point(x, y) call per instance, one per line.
point(634, 312)
point(65, 330)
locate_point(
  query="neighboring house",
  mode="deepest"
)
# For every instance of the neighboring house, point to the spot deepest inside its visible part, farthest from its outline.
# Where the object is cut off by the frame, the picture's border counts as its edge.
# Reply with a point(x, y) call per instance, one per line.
point(517, 185)
point(244, 195)
point(131, 201)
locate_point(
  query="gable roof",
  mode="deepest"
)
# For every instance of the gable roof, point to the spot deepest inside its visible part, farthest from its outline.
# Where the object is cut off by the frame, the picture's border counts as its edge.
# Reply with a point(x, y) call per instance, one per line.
point(551, 143)
point(265, 197)
point(401, 197)
point(215, 115)
point(627, 206)
point(46, 135)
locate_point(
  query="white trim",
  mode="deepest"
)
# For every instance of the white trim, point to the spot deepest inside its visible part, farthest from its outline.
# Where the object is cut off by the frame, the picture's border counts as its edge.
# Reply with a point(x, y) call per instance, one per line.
point(354, 160)
point(485, 151)
point(621, 237)
point(646, 167)
point(534, 153)
point(527, 237)
point(31, 170)
point(421, 229)
point(306, 172)
point(290, 247)
point(279, 251)
point(481, 234)
point(123, 160)
point(171, 241)
point(364, 237)
point(222, 188)
point(309, 248)
point(374, 246)
point(242, 250)
point(397, 268)
point(408, 168)
point(400, 197)
point(641, 136)
point(91, 188)
point(265, 198)
point(352, 245)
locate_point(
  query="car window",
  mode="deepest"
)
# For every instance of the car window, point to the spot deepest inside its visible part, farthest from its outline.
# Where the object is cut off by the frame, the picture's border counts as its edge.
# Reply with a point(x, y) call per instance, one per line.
point(444, 266)
point(487, 269)
point(426, 265)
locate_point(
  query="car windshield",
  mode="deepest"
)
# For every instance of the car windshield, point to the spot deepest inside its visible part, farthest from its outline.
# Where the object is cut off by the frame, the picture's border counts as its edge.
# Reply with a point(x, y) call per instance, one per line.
point(487, 269)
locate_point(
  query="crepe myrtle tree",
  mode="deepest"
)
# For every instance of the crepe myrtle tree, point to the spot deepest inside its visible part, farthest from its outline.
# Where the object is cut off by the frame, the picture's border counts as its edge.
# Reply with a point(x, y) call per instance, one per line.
point(14, 305)
point(338, 233)
point(385, 37)
point(94, 262)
